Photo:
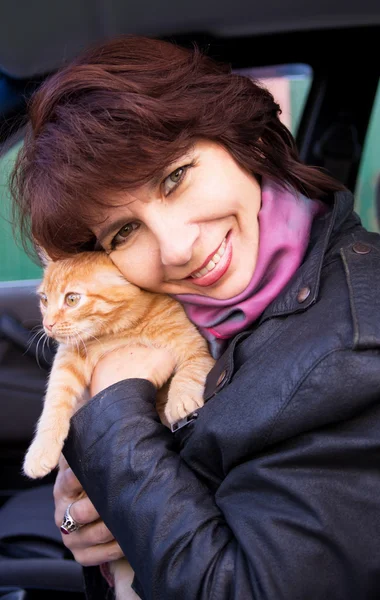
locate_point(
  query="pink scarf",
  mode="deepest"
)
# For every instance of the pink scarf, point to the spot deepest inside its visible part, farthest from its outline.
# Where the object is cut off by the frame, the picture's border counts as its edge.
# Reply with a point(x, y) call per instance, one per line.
point(285, 221)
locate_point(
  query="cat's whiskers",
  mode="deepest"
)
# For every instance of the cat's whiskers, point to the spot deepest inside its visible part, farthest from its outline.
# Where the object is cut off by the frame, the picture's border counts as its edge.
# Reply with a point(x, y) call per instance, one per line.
point(77, 343)
point(74, 336)
point(39, 332)
point(38, 343)
point(91, 335)
point(84, 345)
point(69, 342)
point(39, 327)
point(46, 343)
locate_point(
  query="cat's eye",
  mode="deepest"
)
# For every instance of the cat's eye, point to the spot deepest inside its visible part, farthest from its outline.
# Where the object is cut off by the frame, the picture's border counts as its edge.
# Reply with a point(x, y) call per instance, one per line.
point(72, 299)
point(43, 299)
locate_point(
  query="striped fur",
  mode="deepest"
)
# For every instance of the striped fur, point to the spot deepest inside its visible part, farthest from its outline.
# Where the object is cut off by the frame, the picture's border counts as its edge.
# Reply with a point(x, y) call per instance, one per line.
point(111, 313)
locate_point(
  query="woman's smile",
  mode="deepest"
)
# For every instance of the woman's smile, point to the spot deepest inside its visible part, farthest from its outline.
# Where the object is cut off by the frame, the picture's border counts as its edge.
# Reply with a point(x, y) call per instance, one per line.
point(200, 237)
point(215, 267)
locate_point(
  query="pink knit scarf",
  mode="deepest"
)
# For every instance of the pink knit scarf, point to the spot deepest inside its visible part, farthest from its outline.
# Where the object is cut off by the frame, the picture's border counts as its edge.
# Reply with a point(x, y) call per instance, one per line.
point(285, 221)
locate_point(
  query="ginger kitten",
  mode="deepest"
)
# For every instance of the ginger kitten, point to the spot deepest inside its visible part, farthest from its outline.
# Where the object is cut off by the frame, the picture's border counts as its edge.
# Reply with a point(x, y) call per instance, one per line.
point(89, 308)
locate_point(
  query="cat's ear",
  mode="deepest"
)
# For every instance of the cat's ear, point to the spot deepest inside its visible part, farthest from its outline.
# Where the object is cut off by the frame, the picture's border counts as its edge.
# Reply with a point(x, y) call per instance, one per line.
point(43, 256)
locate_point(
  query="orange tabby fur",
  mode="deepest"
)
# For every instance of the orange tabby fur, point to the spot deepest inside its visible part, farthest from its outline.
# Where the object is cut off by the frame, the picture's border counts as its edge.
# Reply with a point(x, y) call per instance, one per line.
point(111, 313)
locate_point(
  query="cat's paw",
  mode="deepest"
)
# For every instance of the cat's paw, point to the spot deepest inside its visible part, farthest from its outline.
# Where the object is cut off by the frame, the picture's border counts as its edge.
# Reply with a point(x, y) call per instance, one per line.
point(180, 408)
point(123, 577)
point(41, 459)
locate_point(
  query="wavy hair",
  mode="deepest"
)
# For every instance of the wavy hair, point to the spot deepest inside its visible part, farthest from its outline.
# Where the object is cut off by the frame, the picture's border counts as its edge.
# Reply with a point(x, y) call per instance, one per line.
point(119, 114)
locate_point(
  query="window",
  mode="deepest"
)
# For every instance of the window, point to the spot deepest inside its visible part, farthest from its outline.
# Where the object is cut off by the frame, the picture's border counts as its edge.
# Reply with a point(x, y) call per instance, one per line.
point(14, 263)
point(367, 193)
point(289, 85)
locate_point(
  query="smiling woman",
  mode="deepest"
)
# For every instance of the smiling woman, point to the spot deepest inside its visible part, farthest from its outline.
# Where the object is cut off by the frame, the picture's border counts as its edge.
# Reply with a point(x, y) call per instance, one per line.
point(169, 238)
point(86, 119)
point(182, 172)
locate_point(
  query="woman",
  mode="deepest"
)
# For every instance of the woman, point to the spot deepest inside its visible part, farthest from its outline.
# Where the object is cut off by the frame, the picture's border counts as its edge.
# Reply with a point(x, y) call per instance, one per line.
point(184, 175)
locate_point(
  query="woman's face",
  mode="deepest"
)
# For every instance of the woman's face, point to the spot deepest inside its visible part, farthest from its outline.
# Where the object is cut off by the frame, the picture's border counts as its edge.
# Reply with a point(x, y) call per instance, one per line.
point(193, 231)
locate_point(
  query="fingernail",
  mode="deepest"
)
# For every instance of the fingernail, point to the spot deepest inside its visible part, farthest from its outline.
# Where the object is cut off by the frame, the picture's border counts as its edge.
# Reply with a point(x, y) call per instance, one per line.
point(63, 530)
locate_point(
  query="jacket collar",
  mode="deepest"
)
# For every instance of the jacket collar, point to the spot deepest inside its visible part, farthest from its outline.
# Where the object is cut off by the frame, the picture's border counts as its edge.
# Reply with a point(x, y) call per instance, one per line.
point(302, 291)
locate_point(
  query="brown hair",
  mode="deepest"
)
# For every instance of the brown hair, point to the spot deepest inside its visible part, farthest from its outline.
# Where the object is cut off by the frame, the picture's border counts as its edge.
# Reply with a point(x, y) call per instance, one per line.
point(119, 114)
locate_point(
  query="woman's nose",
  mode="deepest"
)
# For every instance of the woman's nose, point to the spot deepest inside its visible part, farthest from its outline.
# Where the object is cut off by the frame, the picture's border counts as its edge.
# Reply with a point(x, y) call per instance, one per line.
point(176, 243)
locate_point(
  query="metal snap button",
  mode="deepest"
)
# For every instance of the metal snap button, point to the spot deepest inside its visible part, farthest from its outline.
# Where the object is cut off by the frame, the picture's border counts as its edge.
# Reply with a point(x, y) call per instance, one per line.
point(360, 248)
point(222, 377)
point(303, 294)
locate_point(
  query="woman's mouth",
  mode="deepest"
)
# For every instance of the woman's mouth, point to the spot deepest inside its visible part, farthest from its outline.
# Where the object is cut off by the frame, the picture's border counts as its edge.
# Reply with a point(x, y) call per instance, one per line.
point(216, 266)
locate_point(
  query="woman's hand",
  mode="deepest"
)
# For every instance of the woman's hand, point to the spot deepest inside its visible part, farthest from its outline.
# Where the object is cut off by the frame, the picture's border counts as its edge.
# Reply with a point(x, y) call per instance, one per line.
point(154, 364)
point(93, 543)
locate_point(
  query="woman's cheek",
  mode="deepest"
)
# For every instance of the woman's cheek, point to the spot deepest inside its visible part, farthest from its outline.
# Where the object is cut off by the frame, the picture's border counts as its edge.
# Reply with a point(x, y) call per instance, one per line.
point(141, 268)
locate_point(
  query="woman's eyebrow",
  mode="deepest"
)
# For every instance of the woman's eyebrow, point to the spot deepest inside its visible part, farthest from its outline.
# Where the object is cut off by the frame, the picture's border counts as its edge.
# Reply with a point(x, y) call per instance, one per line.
point(114, 226)
point(170, 167)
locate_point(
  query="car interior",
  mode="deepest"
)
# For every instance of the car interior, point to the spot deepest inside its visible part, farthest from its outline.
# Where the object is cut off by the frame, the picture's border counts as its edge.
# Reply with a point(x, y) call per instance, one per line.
point(319, 61)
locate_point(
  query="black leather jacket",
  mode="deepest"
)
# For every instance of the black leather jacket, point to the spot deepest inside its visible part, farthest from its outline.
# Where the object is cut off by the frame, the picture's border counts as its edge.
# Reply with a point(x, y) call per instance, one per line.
point(274, 491)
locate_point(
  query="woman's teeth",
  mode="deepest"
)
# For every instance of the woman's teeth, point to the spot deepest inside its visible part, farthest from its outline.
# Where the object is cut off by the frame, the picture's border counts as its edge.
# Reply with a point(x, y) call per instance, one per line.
point(212, 263)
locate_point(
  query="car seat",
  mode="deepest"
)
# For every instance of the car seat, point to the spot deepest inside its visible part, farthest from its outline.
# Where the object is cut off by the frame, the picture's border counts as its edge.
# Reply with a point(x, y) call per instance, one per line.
point(32, 555)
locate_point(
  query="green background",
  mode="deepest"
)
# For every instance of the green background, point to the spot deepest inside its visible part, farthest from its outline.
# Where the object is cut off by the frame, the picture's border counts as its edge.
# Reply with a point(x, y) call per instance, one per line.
point(14, 263)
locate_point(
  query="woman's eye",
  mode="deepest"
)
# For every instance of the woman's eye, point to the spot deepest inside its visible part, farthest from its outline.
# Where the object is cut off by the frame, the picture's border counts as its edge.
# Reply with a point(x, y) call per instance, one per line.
point(123, 233)
point(171, 182)
point(72, 299)
point(127, 230)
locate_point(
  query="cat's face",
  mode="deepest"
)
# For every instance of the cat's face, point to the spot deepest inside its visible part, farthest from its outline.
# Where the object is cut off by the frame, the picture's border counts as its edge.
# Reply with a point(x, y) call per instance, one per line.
point(79, 297)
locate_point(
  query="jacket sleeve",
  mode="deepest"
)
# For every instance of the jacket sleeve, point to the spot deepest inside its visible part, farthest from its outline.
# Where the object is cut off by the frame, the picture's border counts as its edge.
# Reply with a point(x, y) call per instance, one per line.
point(284, 524)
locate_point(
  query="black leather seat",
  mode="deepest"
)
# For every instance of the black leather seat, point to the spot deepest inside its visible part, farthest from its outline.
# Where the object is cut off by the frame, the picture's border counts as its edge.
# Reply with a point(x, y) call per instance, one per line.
point(32, 556)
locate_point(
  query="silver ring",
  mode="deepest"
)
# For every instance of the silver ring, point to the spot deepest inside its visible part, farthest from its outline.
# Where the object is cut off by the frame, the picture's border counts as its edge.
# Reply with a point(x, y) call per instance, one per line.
point(69, 525)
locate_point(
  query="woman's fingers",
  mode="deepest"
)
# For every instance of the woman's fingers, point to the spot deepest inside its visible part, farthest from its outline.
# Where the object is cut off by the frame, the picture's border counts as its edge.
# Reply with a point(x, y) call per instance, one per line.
point(92, 535)
point(96, 555)
point(66, 486)
point(68, 490)
point(88, 537)
point(83, 511)
point(93, 543)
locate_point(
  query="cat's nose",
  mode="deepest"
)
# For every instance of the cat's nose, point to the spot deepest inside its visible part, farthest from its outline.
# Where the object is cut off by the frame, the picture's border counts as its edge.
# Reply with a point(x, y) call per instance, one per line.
point(49, 326)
